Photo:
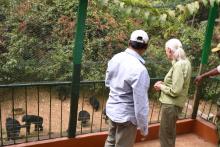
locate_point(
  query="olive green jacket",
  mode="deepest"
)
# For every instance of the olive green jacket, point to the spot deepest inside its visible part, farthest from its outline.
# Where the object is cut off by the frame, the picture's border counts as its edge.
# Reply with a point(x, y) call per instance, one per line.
point(174, 89)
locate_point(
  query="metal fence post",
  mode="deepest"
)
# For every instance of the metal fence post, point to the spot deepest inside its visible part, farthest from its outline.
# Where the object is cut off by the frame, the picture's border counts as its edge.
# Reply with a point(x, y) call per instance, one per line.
point(205, 53)
point(77, 56)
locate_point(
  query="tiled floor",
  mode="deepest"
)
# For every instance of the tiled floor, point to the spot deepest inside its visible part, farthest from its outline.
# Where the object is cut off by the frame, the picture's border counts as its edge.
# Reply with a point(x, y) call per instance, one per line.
point(187, 140)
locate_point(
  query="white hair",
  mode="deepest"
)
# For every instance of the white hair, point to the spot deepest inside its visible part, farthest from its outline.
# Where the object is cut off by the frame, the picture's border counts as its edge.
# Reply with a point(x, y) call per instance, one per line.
point(176, 46)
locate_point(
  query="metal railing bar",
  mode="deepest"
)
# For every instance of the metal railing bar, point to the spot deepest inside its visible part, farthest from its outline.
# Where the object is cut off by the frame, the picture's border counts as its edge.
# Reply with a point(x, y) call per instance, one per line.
point(158, 119)
point(13, 114)
point(61, 118)
point(92, 111)
point(187, 106)
point(55, 83)
point(152, 111)
point(210, 108)
point(100, 128)
point(26, 110)
point(50, 114)
point(1, 122)
point(81, 124)
point(38, 108)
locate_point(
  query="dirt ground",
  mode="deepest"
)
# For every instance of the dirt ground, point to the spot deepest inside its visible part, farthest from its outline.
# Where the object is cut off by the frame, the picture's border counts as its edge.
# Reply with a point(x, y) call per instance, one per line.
point(56, 112)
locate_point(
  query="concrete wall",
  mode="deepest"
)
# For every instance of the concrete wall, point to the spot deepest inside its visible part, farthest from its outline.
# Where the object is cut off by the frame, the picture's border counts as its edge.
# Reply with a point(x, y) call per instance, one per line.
point(200, 127)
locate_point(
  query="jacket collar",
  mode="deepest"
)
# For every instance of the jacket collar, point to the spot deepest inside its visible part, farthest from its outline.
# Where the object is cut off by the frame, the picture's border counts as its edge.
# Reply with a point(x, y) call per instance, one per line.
point(135, 54)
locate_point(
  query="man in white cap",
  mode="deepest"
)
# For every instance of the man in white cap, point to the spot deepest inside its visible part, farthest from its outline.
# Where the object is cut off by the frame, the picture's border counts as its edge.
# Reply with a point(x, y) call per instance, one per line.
point(127, 106)
point(213, 72)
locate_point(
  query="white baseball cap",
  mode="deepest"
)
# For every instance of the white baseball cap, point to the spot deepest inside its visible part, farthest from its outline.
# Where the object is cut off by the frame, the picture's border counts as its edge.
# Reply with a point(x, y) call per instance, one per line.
point(139, 36)
point(217, 48)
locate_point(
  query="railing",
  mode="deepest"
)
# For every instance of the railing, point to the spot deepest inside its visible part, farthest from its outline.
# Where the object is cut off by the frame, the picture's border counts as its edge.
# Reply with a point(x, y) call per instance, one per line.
point(209, 97)
point(51, 101)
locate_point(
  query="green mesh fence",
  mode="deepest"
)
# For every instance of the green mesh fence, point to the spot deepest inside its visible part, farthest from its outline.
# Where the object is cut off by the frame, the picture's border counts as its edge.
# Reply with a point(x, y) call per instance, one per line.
point(37, 37)
point(36, 40)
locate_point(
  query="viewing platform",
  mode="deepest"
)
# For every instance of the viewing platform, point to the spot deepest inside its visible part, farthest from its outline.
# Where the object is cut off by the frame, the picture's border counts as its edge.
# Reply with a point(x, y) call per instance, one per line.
point(190, 133)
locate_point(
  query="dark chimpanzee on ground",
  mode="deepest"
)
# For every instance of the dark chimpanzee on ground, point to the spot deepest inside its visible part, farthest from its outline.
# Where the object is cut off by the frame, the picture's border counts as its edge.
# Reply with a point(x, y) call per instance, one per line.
point(84, 117)
point(13, 128)
point(63, 92)
point(37, 120)
point(104, 115)
point(94, 102)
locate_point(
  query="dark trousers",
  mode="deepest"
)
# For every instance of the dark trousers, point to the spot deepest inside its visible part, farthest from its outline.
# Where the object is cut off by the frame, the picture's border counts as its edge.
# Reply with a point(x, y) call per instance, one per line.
point(167, 132)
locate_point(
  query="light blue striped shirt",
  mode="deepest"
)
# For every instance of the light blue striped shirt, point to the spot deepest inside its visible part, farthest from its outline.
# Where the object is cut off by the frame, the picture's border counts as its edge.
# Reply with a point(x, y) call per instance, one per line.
point(128, 80)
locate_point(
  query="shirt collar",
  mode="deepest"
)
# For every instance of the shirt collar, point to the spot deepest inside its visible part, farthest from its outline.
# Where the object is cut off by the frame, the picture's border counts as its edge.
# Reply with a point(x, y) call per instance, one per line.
point(135, 54)
point(173, 62)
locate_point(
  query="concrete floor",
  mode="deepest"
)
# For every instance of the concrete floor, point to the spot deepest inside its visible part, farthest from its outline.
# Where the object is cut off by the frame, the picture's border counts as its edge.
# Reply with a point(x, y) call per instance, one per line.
point(186, 140)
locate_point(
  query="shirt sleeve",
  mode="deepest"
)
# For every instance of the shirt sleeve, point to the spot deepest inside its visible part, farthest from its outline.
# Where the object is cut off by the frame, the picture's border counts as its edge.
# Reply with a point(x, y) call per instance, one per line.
point(176, 86)
point(108, 75)
point(218, 68)
point(140, 86)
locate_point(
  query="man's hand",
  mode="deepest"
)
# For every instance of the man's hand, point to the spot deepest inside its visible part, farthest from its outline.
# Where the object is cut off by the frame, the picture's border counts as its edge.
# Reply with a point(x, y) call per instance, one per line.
point(198, 80)
point(144, 131)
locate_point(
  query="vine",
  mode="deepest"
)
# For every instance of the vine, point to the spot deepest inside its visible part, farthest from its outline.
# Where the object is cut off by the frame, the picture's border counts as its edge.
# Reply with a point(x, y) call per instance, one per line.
point(149, 9)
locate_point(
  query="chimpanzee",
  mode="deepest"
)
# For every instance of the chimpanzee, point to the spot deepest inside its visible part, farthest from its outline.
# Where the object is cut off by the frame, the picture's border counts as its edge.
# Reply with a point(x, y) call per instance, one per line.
point(94, 102)
point(37, 120)
point(13, 128)
point(63, 92)
point(83, 116)
point(104, 115)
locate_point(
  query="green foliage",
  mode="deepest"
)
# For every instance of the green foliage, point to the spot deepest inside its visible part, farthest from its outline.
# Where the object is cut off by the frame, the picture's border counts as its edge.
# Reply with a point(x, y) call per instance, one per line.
point(210, 90)
point(37, 41)
point(38, 35)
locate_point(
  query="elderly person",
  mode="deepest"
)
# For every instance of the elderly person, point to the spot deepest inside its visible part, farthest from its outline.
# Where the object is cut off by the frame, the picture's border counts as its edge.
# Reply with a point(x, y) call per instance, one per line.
point(174, 91)
point(127, 105)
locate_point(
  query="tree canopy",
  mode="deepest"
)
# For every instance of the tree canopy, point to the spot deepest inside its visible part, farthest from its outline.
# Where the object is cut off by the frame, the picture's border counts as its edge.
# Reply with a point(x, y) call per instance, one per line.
point(37, 36)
